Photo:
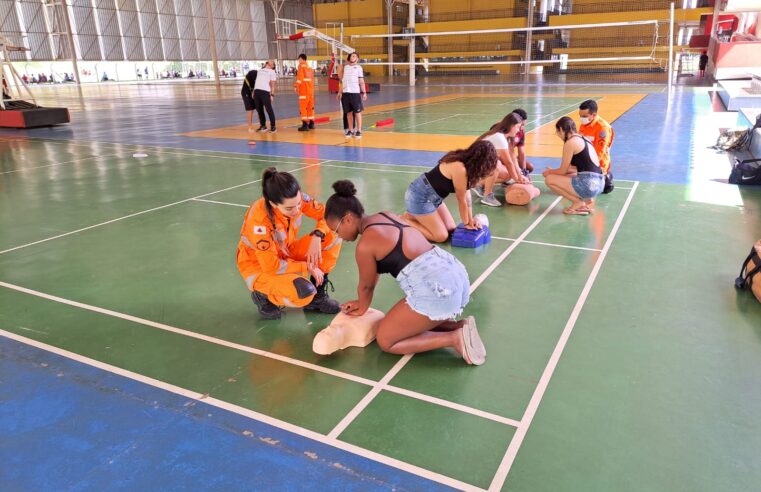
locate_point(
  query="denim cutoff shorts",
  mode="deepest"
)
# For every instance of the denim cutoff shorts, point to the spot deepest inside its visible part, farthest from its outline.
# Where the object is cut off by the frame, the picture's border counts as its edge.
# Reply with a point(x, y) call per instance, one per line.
point(588, 184)
point(436, 285)
point(420, 198)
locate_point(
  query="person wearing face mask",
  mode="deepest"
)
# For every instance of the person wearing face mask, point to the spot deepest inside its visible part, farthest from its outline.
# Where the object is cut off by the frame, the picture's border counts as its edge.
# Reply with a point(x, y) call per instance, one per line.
point(264, 94)
point(279, 268)
point(600, 133)
point(587, 182)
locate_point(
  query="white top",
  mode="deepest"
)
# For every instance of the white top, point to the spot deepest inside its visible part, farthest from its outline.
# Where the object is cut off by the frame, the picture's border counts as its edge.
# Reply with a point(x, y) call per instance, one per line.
point(263, 78)
point(499, 140)
point(352, 74)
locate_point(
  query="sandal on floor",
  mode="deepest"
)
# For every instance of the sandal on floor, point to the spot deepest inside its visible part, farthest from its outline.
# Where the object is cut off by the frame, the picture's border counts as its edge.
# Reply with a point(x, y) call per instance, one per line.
point(473, 350)
point(576, 211)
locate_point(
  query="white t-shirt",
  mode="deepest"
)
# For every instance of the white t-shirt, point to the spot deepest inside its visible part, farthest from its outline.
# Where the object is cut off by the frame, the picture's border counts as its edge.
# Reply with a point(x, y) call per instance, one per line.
point(263, 78)
point(498, 140)
point(352, 74)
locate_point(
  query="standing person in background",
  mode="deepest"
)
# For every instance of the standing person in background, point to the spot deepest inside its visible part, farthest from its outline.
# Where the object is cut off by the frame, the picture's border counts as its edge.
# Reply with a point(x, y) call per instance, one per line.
point(352, 94)
point(304, 87)
point(702, 64)
point(600, 134)
point(264, 94)
point(247, 93)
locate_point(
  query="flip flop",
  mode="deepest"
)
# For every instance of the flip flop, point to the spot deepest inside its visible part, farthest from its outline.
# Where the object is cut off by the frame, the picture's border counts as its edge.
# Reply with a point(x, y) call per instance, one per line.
point(473, 350)
point(576, 211)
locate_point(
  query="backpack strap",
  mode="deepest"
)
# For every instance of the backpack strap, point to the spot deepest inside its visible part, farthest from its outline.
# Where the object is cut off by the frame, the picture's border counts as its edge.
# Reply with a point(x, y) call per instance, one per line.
point(745, 280)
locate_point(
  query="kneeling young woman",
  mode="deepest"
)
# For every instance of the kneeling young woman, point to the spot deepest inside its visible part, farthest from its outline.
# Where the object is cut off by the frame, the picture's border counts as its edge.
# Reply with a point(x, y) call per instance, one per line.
point(435, 283)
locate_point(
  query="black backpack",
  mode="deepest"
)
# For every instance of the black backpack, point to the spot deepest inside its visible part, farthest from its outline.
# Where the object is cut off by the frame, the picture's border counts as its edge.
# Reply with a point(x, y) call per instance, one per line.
point(746, 172)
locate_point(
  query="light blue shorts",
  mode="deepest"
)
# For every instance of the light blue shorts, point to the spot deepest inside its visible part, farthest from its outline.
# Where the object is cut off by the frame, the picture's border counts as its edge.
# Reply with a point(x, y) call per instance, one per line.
point(436, 285)
point(420, 198)
point(588, 184)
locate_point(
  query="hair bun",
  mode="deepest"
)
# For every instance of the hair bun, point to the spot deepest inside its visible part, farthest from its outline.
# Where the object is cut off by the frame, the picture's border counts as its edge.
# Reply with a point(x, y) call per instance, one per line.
point(268, 173)
point(344, 187)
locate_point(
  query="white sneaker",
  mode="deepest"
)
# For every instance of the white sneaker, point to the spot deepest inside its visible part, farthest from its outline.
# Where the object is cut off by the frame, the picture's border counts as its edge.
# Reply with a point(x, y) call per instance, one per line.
point(479, 191)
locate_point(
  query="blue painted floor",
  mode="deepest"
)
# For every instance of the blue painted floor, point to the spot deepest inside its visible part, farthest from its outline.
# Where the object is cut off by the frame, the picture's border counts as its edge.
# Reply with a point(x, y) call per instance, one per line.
point(68, 426)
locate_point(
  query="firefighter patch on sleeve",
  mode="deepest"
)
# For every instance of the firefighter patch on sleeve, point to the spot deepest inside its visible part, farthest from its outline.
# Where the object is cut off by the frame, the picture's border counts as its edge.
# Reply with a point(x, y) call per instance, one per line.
point(263, 245)
point(260, 230)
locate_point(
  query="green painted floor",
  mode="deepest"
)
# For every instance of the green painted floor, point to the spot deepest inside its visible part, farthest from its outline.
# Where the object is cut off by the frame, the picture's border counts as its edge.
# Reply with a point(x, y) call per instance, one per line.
point(656, 389)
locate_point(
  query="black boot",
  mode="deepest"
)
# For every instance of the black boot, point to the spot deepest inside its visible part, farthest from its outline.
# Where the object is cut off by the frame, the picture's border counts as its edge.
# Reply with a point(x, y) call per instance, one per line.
point(267, 310)
point(304, 127)
point(322, 302)
point(311, 124)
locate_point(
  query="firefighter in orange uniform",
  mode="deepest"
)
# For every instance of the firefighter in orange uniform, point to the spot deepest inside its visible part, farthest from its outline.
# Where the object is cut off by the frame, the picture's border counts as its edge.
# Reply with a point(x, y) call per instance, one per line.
point(304, 87)
point(279, 269)
point(597, 131)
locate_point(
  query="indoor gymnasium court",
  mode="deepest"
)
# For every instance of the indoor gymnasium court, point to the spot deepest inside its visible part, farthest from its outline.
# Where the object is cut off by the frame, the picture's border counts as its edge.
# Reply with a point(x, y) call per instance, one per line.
point(620, 355)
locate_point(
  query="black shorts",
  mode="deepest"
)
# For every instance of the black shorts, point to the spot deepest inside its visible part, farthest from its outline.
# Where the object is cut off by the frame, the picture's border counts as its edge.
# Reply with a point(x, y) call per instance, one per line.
point(248, 102)
point(351, 102)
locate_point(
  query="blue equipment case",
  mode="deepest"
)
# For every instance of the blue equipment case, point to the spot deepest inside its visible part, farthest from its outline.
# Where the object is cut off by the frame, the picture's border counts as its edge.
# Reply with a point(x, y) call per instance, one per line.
point(470, 238)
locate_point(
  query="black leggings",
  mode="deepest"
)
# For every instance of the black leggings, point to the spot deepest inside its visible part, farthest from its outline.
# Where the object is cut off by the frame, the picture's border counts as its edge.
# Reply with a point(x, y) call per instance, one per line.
point(262, 101)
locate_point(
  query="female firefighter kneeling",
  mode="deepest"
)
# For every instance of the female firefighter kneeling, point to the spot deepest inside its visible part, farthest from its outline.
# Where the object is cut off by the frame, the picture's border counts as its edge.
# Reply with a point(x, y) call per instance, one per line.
point(273, 262)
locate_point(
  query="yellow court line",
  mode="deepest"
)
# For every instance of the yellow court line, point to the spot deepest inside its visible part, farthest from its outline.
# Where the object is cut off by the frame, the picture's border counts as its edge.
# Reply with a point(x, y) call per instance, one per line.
point(540, 142)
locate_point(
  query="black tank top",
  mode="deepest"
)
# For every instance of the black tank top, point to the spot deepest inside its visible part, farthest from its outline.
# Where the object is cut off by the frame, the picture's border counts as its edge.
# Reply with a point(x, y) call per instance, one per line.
point(395, 261)
point(582, 161)
point(442, 185)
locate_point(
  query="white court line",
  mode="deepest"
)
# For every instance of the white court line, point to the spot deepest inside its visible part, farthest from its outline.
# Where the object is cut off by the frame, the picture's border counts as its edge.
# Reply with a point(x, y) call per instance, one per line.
point(370, 169)
point(263, 353)
point(221, 203)
point(280, 424)
point(515, 444)
point(575, 105)
point(547, 244)
point(140, 213)
point(58, 163)
point(359, 407)
point(206, 153)
point(432, 121)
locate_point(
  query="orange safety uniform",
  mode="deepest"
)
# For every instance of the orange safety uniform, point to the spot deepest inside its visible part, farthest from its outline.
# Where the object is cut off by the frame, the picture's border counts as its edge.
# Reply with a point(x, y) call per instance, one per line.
point(305, 86)
point(600, 133)
point(271, 259)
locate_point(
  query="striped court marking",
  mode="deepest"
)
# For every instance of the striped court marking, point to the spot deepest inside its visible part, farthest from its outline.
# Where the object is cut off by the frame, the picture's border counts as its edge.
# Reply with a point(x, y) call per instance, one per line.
point(142, 212)
point(493, 237)
point(204, 399)
point(25, 169)
point(262, 353)
point(528, 416)
point(547, 244)
point(332, 441)
point(359, 407)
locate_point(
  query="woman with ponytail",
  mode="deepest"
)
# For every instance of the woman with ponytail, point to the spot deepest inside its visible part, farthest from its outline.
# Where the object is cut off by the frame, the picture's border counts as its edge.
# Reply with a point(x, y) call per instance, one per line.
point(435, 284)
point(579, 177)
point(279, 269)
point(456, 172)
point(502, 136)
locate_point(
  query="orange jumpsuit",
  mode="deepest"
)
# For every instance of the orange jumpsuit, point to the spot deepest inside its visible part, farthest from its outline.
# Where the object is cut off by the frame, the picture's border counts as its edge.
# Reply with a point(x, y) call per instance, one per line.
point(271, 259)
point(600, 133)
point(305, 86)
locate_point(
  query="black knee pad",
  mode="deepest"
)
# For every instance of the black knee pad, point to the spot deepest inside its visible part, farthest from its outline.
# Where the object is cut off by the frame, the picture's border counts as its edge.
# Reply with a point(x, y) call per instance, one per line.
point(304, 288)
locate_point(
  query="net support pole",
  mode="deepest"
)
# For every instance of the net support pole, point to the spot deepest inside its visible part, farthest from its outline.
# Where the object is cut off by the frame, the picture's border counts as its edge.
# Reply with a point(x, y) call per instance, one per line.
point(671, 48)
point(70, 40)
point(212, 43)
point(390, 40)
point(529, 25)
point(411, 25)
